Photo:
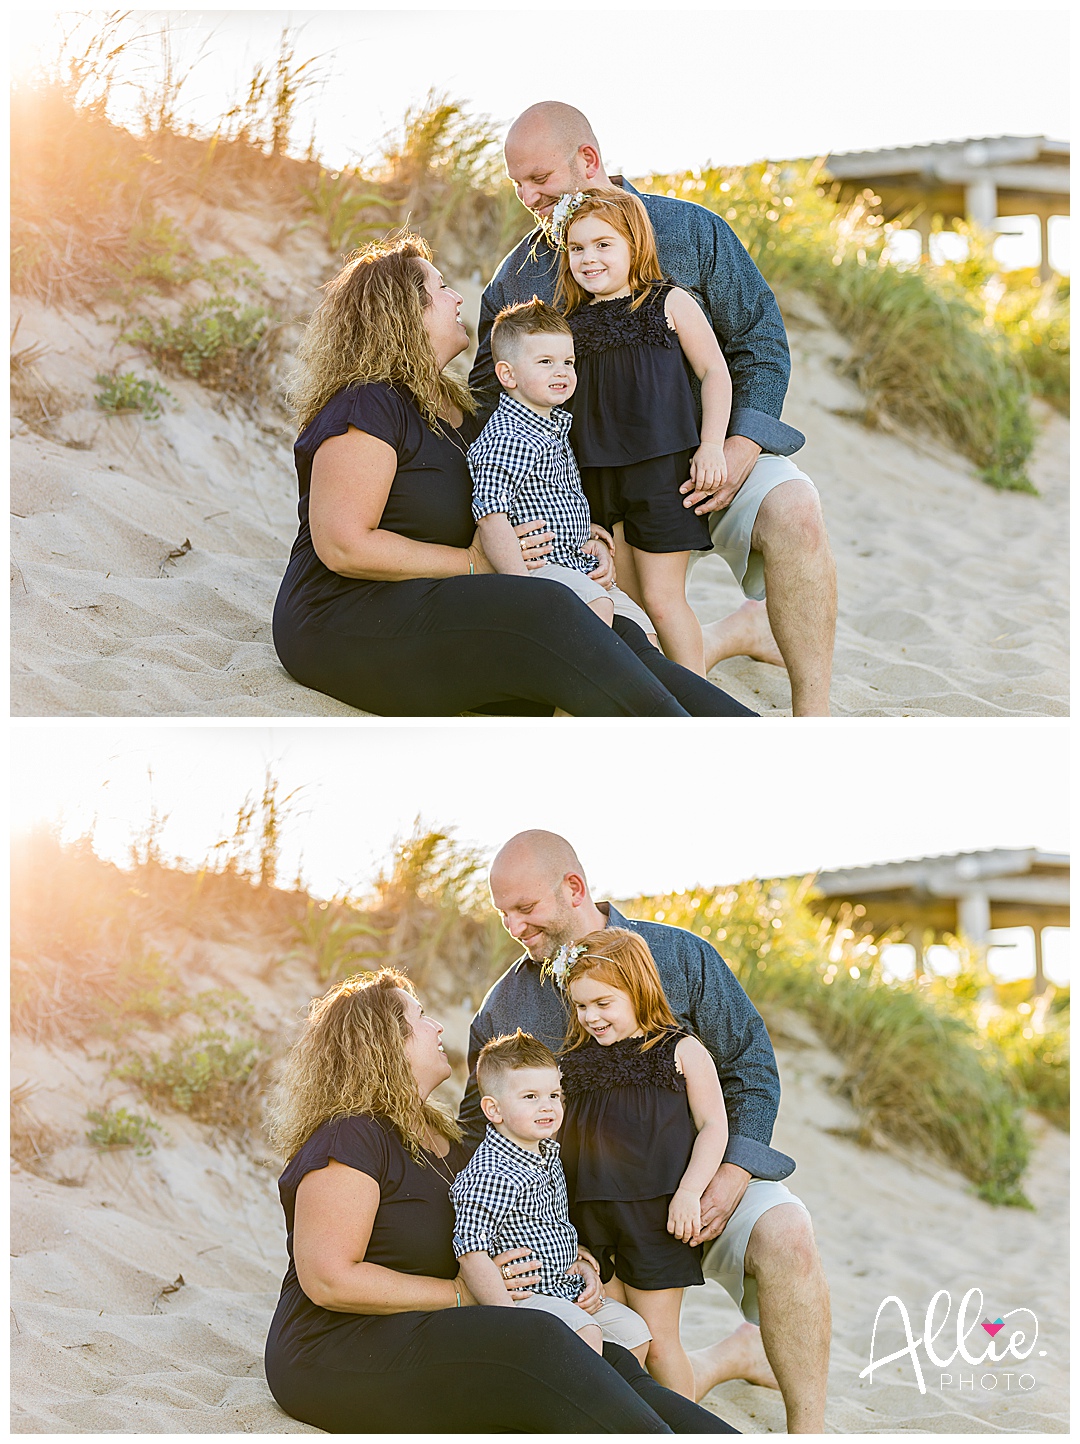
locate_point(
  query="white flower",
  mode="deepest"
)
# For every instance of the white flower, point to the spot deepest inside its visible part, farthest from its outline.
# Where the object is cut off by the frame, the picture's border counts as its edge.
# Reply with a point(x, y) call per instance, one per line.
point(562, 215)
point(563, 959)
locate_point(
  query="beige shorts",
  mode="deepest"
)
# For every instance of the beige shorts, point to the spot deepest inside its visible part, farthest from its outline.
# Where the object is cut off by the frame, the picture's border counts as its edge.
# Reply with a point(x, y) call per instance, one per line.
point(590, 591)
point(618, 1324)
point(725, 1257)
point(733, 527)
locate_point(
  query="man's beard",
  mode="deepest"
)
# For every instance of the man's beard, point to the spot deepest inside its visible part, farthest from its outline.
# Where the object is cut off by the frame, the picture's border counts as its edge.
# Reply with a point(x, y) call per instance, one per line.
point(550, 941)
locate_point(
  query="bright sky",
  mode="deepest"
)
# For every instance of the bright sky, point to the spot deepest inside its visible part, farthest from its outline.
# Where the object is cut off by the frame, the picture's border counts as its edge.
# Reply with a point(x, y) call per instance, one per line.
point(665, 89)
point(644, 816)
point(769, 83)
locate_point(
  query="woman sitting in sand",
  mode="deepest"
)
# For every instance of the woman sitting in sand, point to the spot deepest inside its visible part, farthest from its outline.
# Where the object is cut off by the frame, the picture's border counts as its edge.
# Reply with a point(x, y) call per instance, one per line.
point(389, 603)
point(375, 1330)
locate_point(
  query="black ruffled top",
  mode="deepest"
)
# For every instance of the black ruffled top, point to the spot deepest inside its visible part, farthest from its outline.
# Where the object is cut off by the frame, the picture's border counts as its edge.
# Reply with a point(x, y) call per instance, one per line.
point(628, 1131)
point(633, 399)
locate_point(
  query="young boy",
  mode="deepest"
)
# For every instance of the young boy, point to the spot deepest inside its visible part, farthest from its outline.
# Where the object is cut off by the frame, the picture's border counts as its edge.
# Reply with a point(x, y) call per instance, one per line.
point(522, 465)
point(512, 1194)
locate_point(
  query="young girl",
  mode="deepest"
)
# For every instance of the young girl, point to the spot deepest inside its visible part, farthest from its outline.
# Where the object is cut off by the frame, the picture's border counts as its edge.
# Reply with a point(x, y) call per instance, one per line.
point(635, 427)
point(645, 1130)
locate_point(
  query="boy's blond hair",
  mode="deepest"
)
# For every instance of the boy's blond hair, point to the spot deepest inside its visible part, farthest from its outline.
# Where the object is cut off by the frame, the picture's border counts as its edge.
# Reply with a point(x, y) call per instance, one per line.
point(527, 318)
point(508, 1054)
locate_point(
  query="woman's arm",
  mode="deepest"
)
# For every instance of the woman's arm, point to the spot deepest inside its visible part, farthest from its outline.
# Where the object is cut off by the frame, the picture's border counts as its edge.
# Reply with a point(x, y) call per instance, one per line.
point(335, 1210)
point(706, 1102)
point(486, 1283)
point(351, 476)
point(708, 470)
point(502, 544)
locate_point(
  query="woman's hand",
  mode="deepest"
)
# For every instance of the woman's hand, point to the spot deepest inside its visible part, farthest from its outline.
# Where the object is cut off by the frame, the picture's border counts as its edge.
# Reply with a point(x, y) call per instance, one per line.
point(536, 542)
point(478, 557)
point(592, 1295)
point(684, 1215)
point(464, 1292)
point(518, 1268)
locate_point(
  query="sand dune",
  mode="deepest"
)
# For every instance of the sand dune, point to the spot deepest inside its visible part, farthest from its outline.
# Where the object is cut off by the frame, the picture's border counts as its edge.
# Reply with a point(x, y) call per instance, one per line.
point(142, 1288)
point(953, 597)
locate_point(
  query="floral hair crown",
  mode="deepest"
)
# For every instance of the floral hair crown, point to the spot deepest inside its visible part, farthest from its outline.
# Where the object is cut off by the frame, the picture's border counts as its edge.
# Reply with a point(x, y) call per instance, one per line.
point(558, 966)
point(561, 217)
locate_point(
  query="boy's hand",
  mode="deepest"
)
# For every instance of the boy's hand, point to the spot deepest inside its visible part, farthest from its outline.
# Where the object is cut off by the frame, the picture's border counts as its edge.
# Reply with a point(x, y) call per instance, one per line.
point(684, 1215)
point(604, 571)
point(708, 469)
point(592, 1295)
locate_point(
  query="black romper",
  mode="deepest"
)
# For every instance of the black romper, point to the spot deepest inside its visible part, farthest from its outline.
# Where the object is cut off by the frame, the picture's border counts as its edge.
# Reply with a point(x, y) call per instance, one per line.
point(635, 422)
point(433, 647)
point(625, 1145)
point(448, 1371)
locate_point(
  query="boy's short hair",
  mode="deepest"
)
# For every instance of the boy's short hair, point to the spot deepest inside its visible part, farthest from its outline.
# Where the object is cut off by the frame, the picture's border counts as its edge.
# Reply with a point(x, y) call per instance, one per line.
point(527, 318)
point(506, 1055)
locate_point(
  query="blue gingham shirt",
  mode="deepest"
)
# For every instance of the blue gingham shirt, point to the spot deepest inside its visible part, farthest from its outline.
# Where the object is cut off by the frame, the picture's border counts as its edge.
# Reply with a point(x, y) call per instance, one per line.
point(507, 1197)
point(522, 464)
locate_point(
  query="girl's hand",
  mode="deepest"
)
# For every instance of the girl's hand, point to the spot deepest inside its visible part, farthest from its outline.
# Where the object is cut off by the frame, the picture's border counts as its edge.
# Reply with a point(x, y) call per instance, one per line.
point(518, 1268)
point(535, 547)
point(684, 1215)
point(708, 469)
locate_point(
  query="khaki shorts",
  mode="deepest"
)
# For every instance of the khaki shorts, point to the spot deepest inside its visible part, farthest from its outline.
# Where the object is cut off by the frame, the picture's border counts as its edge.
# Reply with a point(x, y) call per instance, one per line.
point(725, 1257)
point(618, 1324)
point(733, 527)
point(590, 591)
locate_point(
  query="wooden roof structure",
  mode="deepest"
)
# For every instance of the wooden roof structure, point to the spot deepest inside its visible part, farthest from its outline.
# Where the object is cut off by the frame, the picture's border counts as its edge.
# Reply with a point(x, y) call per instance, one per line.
point(979, 179)
point(961, 894)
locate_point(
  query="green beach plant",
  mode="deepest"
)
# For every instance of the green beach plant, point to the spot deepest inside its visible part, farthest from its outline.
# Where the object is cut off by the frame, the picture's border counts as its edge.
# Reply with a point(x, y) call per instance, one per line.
point(119, 1128)
point(211, 1075)
point(124, 394)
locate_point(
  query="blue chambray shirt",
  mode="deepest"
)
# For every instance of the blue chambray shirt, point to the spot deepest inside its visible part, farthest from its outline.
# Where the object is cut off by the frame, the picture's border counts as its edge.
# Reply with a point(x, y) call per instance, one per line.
point(707, 1000)
point(701, 253)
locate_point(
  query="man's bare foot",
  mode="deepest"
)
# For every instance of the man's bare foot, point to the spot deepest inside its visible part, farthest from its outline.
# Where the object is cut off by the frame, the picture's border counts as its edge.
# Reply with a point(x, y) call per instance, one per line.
point(744, 633)
point(740, 1356)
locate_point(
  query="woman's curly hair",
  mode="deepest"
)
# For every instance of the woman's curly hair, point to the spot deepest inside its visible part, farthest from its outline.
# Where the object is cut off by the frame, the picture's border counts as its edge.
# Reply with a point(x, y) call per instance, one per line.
point(351, 1059)
point(369, 326)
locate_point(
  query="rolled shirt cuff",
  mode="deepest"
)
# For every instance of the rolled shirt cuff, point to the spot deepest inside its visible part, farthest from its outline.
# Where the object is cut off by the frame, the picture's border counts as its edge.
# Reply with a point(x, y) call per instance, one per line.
point(758, 1158)
point(770, 434)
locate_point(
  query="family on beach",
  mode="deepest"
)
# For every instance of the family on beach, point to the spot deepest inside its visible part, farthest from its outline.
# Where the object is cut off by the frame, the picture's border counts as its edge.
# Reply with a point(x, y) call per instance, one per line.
point(521, 1269)
point(521, 545)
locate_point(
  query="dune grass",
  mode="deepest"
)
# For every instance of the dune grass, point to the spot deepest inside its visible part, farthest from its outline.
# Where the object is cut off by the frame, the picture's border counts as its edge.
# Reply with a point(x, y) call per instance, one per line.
point(932, 347)
point(917, 1066)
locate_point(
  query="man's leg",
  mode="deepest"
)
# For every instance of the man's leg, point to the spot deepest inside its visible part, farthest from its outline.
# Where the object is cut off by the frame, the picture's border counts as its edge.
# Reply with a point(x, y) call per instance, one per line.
point(800, 590)
point(793, 1302)
point(740, 1356)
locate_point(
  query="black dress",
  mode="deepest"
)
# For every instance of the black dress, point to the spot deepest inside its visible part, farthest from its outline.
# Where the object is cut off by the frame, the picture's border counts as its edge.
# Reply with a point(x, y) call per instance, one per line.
point(626, 1141)
point(482, 1370)
point(431, 647)
point(635, 422)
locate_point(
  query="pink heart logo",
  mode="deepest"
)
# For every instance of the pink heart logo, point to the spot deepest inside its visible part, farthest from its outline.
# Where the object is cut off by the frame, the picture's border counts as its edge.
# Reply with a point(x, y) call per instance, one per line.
point(993, 1328)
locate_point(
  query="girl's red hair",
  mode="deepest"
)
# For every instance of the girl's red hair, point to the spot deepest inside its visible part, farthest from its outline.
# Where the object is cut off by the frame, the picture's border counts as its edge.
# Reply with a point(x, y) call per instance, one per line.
point(622, 958)
point(626, 214)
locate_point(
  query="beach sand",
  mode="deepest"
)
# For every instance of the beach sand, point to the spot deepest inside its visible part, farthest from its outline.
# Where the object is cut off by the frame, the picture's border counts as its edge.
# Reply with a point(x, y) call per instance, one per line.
point(142, 1288)
point(146, 554)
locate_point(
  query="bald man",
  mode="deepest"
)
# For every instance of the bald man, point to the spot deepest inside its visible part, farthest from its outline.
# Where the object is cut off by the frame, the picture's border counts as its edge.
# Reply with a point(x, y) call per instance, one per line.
point(766, 522)
point(759, 1239)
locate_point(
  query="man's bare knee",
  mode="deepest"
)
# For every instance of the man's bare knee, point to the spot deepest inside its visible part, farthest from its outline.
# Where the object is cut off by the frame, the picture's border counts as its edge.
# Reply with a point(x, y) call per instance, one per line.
point(792, 513)
point(782, 1238)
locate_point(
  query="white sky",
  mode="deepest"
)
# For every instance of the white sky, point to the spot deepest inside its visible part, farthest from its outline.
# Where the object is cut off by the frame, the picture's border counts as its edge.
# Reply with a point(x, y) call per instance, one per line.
point(649, 808)
point(665, 89)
